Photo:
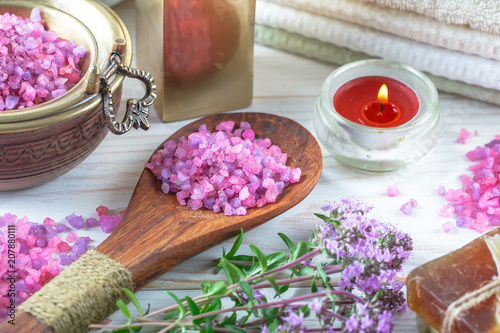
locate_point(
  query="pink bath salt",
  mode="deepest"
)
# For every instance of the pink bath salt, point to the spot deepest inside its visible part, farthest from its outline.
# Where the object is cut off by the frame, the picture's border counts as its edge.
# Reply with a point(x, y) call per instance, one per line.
point(441, 191)
point(101, 210)
point(108, 223)
point(64, 247)
point(407, 208)
point(71, 237)
point(464, 135)
point(75, 221)
point(49, 221)
point(447, 227)
point(392, 191)
point(31, 240)
point(224, 170)
point(447, 211)
point(30, 52)
point(479, 195)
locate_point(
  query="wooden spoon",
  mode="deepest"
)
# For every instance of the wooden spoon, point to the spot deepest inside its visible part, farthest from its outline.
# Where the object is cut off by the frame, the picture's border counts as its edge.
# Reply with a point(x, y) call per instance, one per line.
point(157, 233)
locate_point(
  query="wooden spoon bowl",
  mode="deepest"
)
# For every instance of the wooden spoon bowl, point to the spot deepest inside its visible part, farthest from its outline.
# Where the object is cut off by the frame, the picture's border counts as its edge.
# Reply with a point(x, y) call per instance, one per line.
point(157, 233)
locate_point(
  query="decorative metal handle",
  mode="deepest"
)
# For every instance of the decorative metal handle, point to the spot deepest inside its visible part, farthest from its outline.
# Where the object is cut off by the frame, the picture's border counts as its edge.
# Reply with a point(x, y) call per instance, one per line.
point(137, 110)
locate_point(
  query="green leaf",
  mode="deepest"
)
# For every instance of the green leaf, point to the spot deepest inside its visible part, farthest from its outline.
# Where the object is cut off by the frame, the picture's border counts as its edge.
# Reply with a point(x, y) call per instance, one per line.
point(133, 299)
point(288, 242)
point(270, 314)
point(128, 329)
point(182, 308)
point(247, 289)
point(123, 307)
point(236, 246)
point(302, 249)
point(214, 306)
point(314, 288)
point(205, 286)
point(284, 288)
point(305, 310)
point(195, 310)
point(233, 273)
point(236, 329)
point(209, 328)
point(243, 257)
point(324, 277)
point(229, 321)
point(275, 286)
point(261, 256)
point(304, 271)
point(273, 325)
point(275, 260)
point(172, 315)
point(323, 217)
point(218, 289)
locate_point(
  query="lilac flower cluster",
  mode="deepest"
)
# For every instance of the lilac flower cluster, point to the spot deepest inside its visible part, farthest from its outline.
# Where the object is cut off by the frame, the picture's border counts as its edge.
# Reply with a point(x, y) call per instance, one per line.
point(370, 255)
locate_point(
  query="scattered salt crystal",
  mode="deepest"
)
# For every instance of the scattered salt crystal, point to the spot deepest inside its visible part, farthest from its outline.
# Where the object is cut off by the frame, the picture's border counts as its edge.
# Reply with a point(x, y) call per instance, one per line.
point(75, 221)
point(464, 135)
point(407, 207)
point(392, 191)
point(109, 222)
point(92, 222)
point(447, 227)
point(441, 191)
point(225, 170)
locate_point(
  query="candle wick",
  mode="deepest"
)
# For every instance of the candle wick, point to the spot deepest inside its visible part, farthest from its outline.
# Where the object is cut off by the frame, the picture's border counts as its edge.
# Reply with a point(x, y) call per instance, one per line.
point(381, 106)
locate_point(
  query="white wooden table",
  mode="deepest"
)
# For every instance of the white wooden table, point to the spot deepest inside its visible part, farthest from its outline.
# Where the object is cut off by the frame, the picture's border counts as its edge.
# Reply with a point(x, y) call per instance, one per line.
point(286, 85)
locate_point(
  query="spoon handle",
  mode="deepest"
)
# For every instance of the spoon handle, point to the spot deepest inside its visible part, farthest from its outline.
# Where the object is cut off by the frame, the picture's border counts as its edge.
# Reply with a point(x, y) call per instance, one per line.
point(24, 323)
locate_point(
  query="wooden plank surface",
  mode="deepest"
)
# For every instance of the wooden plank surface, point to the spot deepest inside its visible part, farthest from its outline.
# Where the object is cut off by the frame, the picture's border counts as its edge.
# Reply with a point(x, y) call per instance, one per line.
point(286, 85)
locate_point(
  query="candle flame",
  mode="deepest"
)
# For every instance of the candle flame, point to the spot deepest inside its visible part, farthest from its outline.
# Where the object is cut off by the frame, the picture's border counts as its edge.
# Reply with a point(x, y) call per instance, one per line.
point(383, 94)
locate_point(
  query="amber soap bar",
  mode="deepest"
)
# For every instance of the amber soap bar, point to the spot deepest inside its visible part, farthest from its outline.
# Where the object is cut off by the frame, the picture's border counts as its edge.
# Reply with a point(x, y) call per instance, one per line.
point(200, 53)
point(434, 286)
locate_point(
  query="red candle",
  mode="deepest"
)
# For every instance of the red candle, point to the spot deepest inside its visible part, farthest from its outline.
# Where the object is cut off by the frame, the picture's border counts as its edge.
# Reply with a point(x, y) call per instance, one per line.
point(376, 101)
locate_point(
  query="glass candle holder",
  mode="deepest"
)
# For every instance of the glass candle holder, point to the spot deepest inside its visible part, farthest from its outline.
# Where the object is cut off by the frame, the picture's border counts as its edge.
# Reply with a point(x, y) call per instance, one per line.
point(374, 148)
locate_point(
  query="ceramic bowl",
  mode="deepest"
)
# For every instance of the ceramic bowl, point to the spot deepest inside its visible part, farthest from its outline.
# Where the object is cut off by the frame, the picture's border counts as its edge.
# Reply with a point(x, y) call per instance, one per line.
point(42, 142)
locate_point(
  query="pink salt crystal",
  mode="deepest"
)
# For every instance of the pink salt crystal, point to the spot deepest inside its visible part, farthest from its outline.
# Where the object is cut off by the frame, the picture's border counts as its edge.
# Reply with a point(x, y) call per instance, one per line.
point(447, 227)
point(91, 222)
point(102, 210)
point(109, 222)
point(441, 191)
point(71, 237)
point(447, 211)
point(392, 191)
point(408, 206)
point(464, 135)
point(49, 221)
point(31, 240)
point(63, 247)
point(295, 175)
point(225, 126)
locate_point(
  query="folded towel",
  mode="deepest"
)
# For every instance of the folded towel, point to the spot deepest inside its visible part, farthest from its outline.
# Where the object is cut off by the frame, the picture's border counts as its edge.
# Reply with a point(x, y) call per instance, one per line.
point(478, 14)
point(313, 48)
point(406, 24)
point(440, 62)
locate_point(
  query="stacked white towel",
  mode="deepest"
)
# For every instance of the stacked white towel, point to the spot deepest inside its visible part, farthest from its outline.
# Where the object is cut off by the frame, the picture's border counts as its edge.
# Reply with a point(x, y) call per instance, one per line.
point(455, 54)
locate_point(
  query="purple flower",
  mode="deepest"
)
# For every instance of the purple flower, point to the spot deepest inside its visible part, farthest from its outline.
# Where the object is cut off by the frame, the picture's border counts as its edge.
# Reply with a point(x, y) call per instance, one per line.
point(293, 319)
point(384, 322)
point(316, 305)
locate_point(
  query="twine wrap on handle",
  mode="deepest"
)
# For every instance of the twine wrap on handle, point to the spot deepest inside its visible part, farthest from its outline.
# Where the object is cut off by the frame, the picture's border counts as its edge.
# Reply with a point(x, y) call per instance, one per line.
point(84, 293)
